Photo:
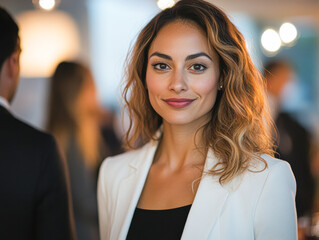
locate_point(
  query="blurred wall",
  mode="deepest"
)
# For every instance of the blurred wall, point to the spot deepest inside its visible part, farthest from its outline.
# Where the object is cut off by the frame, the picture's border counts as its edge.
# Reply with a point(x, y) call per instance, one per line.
point(114, 26)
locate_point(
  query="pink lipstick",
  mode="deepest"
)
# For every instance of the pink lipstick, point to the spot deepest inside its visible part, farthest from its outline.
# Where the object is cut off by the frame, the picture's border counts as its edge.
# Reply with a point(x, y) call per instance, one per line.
point(179, 102)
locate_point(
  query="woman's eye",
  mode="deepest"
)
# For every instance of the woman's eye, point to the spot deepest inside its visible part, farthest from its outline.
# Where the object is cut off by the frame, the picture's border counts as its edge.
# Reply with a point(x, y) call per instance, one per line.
point(197, 67)
point(160, 66)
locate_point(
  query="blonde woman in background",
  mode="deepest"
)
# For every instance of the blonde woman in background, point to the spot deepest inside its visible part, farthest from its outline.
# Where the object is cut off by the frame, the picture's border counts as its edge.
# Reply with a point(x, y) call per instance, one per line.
point(74, 120)
point(206, 170)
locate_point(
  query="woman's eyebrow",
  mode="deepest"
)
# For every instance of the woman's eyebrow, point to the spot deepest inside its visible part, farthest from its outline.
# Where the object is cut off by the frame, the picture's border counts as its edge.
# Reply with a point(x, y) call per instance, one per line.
point(190, 57)
point(196, 55)
point(162, 55)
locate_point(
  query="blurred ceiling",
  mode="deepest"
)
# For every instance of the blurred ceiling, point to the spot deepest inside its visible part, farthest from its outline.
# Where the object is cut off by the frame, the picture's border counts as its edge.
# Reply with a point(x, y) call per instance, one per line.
point(260, 9)
point(269, 10)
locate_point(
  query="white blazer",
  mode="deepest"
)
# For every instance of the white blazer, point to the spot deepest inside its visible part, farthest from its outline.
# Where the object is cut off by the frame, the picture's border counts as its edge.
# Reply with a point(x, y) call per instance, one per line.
point(253, 206)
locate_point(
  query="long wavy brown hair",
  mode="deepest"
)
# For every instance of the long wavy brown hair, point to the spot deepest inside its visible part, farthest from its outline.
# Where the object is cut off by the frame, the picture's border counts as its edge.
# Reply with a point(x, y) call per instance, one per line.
point(73, 110)
point(239, 128)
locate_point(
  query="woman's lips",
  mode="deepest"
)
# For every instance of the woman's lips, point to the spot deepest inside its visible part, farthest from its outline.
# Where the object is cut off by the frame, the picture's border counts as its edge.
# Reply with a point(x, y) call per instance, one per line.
point(179, 102)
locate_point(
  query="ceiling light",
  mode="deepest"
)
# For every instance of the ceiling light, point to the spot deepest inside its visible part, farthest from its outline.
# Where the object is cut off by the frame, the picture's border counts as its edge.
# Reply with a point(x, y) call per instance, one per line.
point(288, 32)
point(47, 5)
point(163, 4)
point(270, 40)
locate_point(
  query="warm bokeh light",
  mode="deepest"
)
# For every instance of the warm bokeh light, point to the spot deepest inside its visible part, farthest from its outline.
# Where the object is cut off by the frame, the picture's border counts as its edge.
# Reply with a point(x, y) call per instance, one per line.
point(270, 40)
point(46, 39)
point(163, 4)
point(47, 4)
point(288, 32)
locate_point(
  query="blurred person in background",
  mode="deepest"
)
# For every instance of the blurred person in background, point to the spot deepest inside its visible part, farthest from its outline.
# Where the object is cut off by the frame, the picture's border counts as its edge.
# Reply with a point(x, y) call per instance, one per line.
point(293, 141)
point(74, 119)
point(314, 163)
point(315, 170)
point(111, 131)
point(35, 199)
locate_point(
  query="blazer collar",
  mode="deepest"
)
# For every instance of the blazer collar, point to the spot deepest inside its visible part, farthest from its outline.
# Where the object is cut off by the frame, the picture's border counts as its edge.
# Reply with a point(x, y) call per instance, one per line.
point(207, 206)
point(205, 210)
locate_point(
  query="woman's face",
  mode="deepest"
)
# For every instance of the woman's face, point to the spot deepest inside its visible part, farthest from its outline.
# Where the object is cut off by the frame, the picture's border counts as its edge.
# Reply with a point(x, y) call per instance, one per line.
point(182, 75)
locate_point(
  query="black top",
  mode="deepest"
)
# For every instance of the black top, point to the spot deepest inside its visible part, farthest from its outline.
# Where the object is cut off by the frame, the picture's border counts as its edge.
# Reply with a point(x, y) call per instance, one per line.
point(165, 224)
point(34, 193)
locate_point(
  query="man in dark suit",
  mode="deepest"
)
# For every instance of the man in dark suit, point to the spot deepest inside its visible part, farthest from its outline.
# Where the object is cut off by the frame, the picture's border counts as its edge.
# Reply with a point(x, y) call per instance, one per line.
point(34, 188)
point(293, 139)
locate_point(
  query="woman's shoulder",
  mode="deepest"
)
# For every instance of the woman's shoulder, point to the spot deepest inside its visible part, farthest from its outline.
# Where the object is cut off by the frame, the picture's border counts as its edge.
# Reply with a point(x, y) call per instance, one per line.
point(276, 171)
point(268, 164)
point(259, 178)
point(121, 163)
point(119, 160)
point(262, 170)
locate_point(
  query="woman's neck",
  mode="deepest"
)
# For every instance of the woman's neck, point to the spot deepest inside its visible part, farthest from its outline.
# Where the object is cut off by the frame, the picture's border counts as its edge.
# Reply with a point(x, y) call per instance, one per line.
point(180, 146)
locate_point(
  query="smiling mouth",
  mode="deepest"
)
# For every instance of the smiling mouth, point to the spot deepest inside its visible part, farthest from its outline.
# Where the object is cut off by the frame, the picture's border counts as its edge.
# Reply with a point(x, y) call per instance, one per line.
point(179, 102)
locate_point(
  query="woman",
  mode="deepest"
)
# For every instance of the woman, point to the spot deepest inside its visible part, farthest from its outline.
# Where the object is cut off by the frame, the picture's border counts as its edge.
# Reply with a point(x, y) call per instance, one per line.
point(205, 171)
point(74, 121)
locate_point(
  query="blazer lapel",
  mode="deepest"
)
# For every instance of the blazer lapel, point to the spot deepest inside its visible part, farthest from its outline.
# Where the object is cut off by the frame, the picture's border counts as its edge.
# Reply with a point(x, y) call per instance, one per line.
point(130, 190)
point(207, 205)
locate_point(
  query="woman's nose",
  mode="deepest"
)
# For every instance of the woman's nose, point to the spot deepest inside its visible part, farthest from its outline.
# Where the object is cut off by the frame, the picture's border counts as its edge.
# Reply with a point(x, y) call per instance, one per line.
point(178, 83)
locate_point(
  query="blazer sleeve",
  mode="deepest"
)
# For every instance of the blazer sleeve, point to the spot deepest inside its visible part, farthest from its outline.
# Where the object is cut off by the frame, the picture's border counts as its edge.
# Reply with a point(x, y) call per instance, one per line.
point(54, 212)
point(275, 216)
point(102, 201)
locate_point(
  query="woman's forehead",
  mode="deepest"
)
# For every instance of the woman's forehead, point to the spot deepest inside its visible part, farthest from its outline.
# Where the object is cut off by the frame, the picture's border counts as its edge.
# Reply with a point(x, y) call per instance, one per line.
point(181, 36)
point(179, 32)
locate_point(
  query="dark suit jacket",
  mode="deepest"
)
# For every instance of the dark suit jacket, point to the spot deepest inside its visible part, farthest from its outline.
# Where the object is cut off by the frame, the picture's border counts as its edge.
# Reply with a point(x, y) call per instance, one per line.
point(294, 147)
point(34, 188)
